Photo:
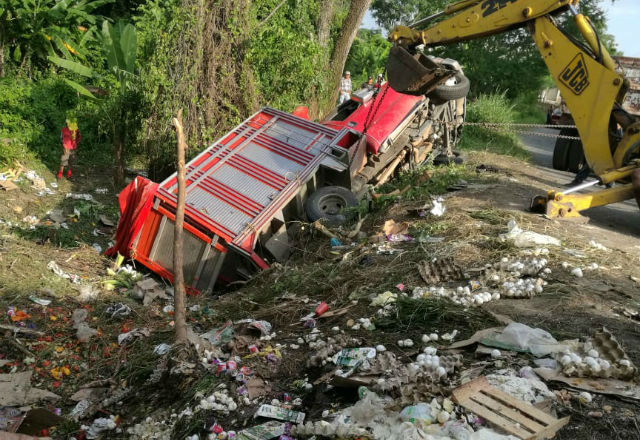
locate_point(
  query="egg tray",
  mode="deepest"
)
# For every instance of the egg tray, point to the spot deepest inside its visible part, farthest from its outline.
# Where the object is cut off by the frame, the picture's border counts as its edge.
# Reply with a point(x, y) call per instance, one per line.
point(397, 375)
point(440, 271)
point(610, 349)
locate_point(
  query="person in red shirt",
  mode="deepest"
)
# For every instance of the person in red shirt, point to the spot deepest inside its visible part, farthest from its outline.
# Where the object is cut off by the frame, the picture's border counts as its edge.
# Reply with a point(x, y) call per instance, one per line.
point(70, 138)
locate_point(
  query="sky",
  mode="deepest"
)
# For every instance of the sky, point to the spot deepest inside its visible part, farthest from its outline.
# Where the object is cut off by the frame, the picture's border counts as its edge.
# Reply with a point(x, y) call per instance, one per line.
point(622, 18)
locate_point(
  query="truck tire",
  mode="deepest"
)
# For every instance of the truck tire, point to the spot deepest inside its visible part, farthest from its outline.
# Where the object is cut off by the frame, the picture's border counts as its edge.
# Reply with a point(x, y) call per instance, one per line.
point(576, 160)
point(450, 93)
point(329, 204)
point(561, 154)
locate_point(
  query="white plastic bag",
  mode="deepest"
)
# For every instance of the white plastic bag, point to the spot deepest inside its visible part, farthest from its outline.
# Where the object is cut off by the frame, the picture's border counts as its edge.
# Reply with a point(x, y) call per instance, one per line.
point(535, 340)
point(527, 239)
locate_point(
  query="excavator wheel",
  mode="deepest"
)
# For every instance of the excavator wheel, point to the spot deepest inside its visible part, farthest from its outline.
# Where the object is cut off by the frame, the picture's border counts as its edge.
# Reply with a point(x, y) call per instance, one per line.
point(561, 154)
point(576, 159)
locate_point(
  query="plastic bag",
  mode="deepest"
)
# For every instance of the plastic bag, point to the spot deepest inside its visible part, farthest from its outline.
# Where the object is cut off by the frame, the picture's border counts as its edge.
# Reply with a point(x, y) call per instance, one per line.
point(527, 239)
point(419, 412)
point(535, 340)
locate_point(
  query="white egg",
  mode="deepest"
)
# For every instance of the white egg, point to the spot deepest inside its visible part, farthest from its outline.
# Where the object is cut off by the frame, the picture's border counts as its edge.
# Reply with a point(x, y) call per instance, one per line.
point(495, 354)
point(593, 353)
point(433, 336)
point(381, 348)
point(440, 371)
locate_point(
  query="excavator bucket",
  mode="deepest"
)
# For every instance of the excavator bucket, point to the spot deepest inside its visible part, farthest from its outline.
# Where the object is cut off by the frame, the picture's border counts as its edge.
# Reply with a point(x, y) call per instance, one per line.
point(414, 74)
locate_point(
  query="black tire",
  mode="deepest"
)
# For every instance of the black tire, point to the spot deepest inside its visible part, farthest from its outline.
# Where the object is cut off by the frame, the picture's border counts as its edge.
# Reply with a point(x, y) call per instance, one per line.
point(450, 93)
point(576, 159)
point(561, 154)
point(329, 204)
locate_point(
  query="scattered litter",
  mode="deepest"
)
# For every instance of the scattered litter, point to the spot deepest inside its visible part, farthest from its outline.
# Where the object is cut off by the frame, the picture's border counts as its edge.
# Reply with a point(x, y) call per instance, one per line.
point(529, 389)
point(221, 335)
point(384, 298)
point(440, 270)
point(527, 239)
point(148, 289)
point(352, 357)
point(83, 331)
point(88, 293)
point(600, 356)
point(161, 349)
point(76, 196)
point(266, 431)
point(16, 390)
point(118, 310)
point(510, 414)
point(438, 207)
point(99, 426)
point(53, 266)
point(56, 215)
point(97, 247)
point(135, 333)
point(280, 413)
point(594, 244)
point(41, 301)
point(522, 338)
point(101, 191)
point(392, 228)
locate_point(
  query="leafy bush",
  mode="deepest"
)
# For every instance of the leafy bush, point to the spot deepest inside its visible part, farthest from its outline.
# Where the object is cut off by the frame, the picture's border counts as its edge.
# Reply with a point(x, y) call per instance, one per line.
point(367, 56)
point(496, 109)
point(32, 114)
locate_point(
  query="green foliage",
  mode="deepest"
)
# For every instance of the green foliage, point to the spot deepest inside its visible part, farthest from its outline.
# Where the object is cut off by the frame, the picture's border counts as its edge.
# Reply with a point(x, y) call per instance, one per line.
point(492, 108)
point(31, 116)
point(389, 13)
point(118, 45)
point(31, 30)
point(368, 55)
point(527, 109)
point(284, 53)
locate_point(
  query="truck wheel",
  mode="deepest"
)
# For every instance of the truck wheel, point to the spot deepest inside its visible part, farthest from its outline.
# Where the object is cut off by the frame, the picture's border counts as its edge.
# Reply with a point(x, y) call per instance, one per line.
point(330, 203)
point(449, 93)
point(561, 154)
point(576, 159)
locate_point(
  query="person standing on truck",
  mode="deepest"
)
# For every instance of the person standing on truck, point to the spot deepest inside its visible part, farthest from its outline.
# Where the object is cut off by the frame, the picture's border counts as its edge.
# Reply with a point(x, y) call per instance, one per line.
point(379, 81)
point(345, 88)
point(70, 137)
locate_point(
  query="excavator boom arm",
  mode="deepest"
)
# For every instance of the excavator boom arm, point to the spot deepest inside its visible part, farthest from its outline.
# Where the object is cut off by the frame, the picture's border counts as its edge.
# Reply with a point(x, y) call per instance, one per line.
point(585, 75)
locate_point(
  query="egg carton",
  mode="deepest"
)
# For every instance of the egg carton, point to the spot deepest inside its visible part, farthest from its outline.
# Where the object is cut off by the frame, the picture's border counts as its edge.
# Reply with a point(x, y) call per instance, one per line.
point(601, 356)
point(440, 270)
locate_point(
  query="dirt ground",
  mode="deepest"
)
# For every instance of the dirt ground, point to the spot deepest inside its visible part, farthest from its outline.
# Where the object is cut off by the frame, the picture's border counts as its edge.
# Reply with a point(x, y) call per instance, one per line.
point(569, 307)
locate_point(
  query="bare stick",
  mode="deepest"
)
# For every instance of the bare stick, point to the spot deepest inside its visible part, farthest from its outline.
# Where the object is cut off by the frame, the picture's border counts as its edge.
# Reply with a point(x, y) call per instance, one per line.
point(178, 254)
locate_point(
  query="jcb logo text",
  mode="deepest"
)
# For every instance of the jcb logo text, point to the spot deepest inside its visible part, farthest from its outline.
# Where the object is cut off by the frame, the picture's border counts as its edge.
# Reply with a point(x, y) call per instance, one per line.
point(575, 75)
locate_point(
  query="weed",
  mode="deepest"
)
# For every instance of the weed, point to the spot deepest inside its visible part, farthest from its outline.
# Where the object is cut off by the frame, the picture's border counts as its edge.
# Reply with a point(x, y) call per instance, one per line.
point(490, 216)
point(438, 313)
point(496, 109)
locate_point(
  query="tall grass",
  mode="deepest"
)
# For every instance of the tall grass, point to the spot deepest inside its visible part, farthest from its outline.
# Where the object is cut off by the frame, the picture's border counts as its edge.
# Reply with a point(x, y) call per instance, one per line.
point(494, 108)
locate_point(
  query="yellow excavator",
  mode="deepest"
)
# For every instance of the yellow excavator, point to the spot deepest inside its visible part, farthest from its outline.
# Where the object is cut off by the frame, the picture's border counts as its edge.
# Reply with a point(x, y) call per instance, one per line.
point(584, 72)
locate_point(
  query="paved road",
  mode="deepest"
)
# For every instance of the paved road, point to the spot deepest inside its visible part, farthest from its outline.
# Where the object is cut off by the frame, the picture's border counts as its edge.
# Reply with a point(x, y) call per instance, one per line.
point(622, 217)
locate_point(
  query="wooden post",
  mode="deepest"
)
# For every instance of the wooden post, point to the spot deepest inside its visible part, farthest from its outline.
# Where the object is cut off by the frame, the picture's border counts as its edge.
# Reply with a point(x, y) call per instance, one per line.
point(178, 254)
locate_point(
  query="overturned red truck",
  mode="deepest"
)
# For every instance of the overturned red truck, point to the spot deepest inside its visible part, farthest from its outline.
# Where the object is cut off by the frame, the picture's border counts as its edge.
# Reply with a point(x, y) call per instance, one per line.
point(275, 167)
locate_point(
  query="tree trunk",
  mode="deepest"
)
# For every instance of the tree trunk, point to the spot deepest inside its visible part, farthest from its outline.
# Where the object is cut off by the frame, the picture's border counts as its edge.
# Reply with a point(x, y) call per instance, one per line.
point(357, 9)
point(178, 275)
point(2, 49)
point(324, 22)
point(118, 153)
